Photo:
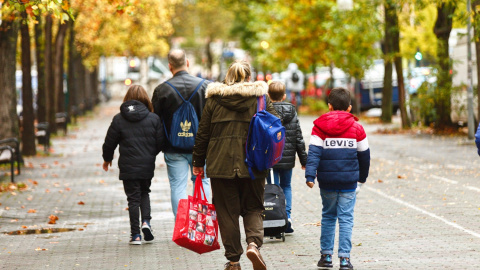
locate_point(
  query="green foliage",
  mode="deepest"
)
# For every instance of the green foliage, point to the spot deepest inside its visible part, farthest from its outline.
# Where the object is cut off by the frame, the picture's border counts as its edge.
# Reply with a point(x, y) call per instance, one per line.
point(314, 106)
point(422, 105)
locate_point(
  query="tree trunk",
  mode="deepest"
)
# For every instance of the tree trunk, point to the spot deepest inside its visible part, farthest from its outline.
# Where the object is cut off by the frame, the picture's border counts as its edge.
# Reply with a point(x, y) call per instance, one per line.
point(40, 55)
point(476, 27)
point(387, 90)
point(71, 77)
point(8, 94)
point(49, 82)
point(94, 86)
point(398, 67)
point(208, 51)
point(58, 70)
point(442, 94)
point(81, 85)
point(28, 126)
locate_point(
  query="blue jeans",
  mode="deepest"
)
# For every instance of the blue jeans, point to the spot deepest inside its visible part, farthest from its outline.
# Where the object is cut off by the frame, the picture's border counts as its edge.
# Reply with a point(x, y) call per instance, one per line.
point(177, 168)
point(337, 205)
point(283, 178)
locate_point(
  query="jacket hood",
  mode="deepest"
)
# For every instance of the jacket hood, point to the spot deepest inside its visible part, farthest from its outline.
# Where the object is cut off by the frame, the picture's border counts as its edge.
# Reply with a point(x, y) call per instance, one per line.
point(285, 110)
point(335, 123)
point(236, 97)
point(134, 110)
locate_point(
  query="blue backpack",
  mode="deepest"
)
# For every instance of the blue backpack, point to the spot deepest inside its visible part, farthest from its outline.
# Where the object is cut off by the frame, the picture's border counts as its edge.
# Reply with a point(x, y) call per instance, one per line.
point(265, 140)
point(184, 123)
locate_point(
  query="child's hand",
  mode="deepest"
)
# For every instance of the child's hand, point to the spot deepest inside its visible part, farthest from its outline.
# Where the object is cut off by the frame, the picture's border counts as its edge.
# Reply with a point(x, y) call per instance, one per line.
point(105, 165)
point(310, 184)
point(197, 170)
point(303, 168)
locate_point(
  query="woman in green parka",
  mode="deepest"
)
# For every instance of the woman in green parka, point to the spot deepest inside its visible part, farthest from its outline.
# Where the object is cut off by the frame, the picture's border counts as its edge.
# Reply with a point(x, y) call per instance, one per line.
point(220, 141)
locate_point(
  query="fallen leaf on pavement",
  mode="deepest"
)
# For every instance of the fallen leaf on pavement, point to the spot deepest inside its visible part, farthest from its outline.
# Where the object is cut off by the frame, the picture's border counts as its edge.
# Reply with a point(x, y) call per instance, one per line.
point(401, 177)
point(380, 181)
point(47, 190)
point(81, 203)
point(53, 219)
point(14, 220)
point(126, 208)
point(67, 189)
point(40, 249)
point(23, 226)
point(32, 211)
point(81, 194)
point(80, 229)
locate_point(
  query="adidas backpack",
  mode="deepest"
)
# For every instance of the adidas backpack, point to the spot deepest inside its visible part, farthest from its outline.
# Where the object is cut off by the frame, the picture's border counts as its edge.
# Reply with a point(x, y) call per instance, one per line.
point(265, 140)
point(184, 123)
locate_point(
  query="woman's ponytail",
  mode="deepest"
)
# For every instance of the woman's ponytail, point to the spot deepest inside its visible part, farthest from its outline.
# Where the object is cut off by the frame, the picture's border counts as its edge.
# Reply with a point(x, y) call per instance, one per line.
point(239, 71)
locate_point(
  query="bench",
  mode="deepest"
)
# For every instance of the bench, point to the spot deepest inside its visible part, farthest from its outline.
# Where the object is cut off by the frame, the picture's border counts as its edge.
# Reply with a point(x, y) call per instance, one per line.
point(9, 154)
point(61, 120)
point(43, 135)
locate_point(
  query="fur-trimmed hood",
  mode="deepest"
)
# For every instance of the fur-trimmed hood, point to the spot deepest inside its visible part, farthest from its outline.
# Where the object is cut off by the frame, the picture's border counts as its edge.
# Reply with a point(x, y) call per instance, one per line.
point(246, 89)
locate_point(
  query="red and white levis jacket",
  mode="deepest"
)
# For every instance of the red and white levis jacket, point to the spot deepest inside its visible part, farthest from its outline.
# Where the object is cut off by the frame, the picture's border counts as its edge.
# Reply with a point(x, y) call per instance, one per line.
point(338, 155)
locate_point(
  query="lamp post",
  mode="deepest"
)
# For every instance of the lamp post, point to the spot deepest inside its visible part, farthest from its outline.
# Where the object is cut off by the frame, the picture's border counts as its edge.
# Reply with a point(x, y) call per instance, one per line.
point(471, 122)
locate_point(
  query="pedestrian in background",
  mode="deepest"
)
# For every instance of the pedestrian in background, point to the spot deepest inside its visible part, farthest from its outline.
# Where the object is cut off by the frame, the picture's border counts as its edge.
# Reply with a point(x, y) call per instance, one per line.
point(139, 132)
point(339, 157)
point(294, 144)
point(295, 82)
point(477, 139)
point(220, 141)
point(166, 100)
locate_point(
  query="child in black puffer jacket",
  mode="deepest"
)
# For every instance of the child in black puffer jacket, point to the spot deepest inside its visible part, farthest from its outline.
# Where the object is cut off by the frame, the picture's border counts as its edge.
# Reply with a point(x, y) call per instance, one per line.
point(140, 134)
point(294, 144)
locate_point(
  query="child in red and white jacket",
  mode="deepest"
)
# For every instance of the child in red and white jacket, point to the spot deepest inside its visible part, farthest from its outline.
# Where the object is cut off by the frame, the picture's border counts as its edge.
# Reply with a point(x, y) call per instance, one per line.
point(339, 157)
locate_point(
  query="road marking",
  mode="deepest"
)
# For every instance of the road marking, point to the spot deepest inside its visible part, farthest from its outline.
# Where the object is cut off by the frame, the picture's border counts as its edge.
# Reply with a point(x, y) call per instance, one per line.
point(473, 188)
point(444, 179)
point(422, 211)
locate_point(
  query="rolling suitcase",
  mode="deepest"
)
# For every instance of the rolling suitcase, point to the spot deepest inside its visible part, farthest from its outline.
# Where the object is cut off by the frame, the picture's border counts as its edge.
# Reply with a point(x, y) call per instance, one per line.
point(275, 214)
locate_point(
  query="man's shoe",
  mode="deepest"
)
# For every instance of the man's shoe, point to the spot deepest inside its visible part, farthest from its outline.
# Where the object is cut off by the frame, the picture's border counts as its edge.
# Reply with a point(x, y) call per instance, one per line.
point(325, 261)
point(147, 232)
point(229, 266)
point(345, 264)
point(289, 227)
point(253, 254)
point(136, 239)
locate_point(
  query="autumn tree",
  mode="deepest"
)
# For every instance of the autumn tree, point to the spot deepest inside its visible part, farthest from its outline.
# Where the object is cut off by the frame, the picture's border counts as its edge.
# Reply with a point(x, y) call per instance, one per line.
point(442, 29)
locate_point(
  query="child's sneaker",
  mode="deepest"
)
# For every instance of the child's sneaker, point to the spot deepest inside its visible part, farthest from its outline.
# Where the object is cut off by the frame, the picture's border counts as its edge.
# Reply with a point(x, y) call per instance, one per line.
point(345, 264)
point(136, 239)
point(289, 226)
point(325, 261)
point(147, 231)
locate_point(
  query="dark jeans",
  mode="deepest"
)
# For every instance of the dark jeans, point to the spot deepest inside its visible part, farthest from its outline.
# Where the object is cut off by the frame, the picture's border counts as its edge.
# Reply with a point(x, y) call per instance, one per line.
point(234, 198)
point(138, 198)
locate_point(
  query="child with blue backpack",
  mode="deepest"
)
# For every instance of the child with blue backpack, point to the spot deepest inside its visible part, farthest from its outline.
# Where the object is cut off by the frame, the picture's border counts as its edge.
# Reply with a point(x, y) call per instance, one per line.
point(294, 144)
point(339, 157)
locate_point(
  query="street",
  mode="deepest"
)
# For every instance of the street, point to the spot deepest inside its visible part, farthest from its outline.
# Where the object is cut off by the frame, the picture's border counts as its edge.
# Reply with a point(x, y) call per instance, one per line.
point(420, 209)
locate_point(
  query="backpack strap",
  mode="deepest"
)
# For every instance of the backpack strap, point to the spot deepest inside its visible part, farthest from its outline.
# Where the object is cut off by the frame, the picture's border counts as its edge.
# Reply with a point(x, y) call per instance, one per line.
point(261, 103)
point(196, 89)
point(174, 88)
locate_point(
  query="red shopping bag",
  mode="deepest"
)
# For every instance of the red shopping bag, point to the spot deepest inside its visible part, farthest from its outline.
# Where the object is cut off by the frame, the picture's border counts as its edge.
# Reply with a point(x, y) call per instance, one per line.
point(196, 225)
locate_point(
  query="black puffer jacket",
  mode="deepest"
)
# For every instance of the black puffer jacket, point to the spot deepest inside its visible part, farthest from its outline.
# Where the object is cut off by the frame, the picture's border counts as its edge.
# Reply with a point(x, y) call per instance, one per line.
point(140, 135)
point(294, 139)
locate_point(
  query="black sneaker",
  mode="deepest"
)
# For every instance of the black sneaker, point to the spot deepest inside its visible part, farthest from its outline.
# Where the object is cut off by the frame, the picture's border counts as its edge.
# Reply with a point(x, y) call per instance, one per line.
point(147, 231)
point(345, 264)
point(325, 261)
point(289, 227)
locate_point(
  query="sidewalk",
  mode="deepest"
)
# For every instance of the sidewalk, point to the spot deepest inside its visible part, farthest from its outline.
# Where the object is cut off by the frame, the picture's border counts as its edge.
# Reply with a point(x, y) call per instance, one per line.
point(417, 211)
point(72, 175)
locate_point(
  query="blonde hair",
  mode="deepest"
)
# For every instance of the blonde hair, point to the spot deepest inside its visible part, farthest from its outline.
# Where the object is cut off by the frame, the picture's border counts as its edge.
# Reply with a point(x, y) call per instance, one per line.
point(276, 90)
point(239, 71)
point(137, 92)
